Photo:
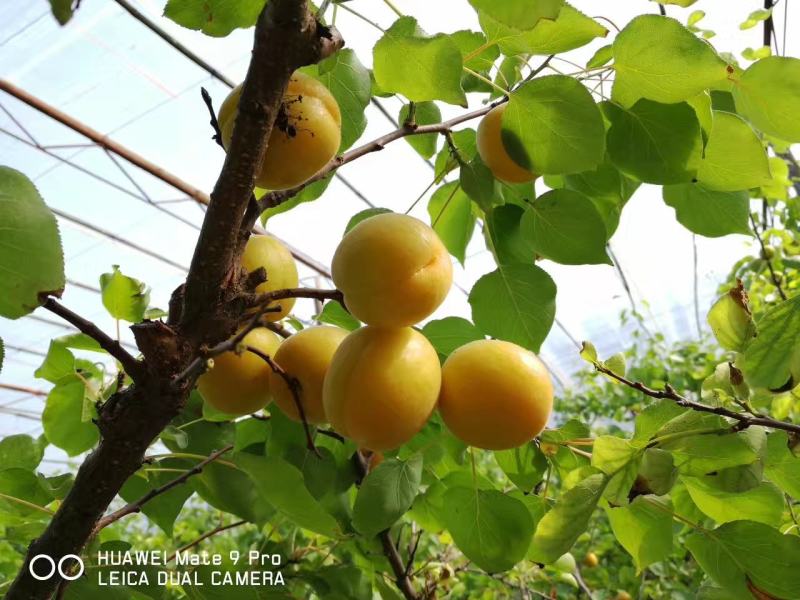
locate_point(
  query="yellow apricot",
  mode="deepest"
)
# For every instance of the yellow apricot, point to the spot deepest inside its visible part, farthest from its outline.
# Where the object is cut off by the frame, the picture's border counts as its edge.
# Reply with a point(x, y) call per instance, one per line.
point(306, 134)
point(495, 395)
point(493, 152)
point(392, 269)
point(305, 356)
point(238, 384)
point(266, 251)
point(591, 560)
point(382, 386)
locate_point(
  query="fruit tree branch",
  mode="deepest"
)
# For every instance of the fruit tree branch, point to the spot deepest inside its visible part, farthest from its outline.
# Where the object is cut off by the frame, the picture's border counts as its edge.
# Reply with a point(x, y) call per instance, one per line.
point(773, 275)
point(287, 37)
point(276, 198)
point(402, 579)
point(205, 536)
point(136, 506)
point(668, 393)
point(132, 366)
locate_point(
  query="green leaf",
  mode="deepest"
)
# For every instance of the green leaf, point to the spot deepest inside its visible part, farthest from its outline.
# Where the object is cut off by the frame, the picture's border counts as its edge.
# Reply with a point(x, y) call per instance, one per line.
point(231, 490)
point(20, 484)
point(164, 508)
point(478, 183)
point(731, 321)
point(611, 453)
point(644, 529)
point(519, 14)
point(566, 228)
point(125, 298)
point(553, 126)
point(602, 56)
point(701, 454)
point(250, 432)
point(58, 363)
point(425, 113)
point(655, 143)
point(386, 494)
point(658, 471)
point(31, 258)
point(768, 95)
point(763, 503)
point(560, 528)
point(281, 484)
point(571, 430)
point(744, 556)
point(524, 466)
point(509, 242)
point(334, 313)
point(515, 303)
point(465, 141)
point(607, 188)
point(659, 59)
point(450, 333)
point(62, 418)
point(572, 29)
point(492, 529)
point(709, 213)
point(62, 10)
point(767, 360)
point(216, 18)
point(781, 466)
point(408, 62)
point(451, 216)
point(735, 159)
point(349, 82)
point(363, 216)
point(21, 451)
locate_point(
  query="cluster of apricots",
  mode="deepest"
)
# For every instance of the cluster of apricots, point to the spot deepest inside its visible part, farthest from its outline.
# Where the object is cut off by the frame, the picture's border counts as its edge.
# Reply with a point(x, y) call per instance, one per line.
point(379, 384)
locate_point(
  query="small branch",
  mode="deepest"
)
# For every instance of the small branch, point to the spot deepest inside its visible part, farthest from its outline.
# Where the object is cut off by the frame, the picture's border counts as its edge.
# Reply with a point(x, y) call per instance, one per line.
point(775, 280)
point(313, 293)
point(278, 197)
point(136, 506)
point(132, 366)
point(294, 388)
point(217, 137)
point(662, 11)
point(204, 537)
point(668, 393)
point(278, 328)
point(412, 552)
point(582, 583)
point(403, 581)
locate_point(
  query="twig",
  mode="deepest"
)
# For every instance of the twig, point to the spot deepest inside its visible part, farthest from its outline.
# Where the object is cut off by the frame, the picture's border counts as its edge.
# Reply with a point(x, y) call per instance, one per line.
point(136, 506)
point(662, 11)
point(582, 583)
point(205, 536)
point(774, 276)
point(669, 393)
point(402, 579)
point(278, 328)
point(217, 137)
point(412, 552)
point(313, 293)
point(277, 197)
point(132, 366)
point(294, 388)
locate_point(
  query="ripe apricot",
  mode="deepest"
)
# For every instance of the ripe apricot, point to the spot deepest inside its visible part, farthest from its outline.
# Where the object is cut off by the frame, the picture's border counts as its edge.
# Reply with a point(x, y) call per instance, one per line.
point(591, 560)
point(495, 395)
point(238, 384)
point(305, 356)
point(493, 152)
point(266, 251)
point(382, 386)
point(392, 269)
point(306, 134)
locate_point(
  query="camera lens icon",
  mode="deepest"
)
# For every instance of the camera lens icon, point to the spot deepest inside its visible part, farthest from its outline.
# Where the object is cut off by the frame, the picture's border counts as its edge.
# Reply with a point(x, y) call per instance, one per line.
point(37, 573)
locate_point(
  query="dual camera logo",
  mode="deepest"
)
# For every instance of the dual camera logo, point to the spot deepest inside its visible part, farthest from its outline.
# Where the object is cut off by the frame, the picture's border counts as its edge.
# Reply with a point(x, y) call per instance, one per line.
point(43, 573)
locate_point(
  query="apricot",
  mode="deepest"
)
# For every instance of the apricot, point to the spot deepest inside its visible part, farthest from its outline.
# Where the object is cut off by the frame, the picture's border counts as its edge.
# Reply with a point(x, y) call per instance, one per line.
point(382, 386)
point(392, 269)
point(495, 395)
point(305, 356)
point(238, 384)
point(494, 153)
point(591, 560)
point(306, 134)
point(266, 251)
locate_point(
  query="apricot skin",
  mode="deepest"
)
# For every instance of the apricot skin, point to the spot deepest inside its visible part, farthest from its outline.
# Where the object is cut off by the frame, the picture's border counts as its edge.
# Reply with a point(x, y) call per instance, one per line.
point(305, 356)
point(493, 152)
point(393, 270)
point(266, 251)
point(495, 395)
point(304, 138)
point(239, 384)
point(382, 386)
